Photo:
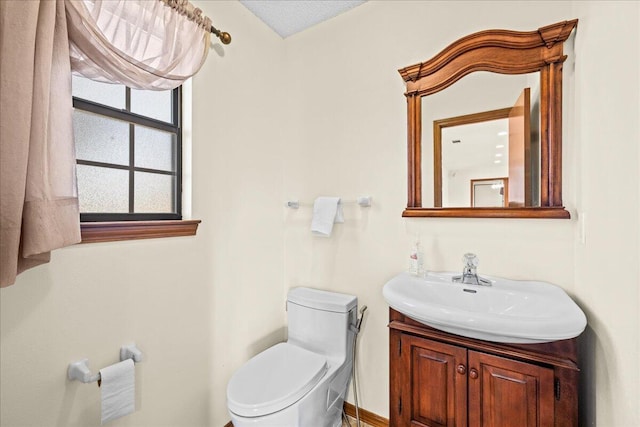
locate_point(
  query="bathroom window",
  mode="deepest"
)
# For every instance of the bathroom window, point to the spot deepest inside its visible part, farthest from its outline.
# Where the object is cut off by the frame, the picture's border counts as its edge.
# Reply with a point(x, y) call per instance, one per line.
point(129, 159)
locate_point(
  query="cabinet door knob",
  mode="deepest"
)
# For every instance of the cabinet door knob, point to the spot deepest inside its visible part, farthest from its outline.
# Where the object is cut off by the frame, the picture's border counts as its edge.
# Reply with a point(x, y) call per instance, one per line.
point(462, 369)
point(473, 374)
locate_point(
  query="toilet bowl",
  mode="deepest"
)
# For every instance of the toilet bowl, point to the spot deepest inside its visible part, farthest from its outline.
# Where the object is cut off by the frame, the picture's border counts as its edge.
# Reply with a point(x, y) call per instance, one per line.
point(301, 382)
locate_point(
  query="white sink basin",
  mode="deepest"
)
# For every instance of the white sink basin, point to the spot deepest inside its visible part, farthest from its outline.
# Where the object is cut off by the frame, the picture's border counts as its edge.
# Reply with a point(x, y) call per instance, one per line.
point(509, 311)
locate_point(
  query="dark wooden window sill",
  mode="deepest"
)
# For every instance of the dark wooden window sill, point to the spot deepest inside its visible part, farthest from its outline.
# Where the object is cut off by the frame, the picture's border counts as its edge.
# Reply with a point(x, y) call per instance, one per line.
point(93, 232)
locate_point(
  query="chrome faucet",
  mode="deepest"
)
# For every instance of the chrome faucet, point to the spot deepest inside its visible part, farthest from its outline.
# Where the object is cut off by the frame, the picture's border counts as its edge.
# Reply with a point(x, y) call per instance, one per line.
point(469, 273)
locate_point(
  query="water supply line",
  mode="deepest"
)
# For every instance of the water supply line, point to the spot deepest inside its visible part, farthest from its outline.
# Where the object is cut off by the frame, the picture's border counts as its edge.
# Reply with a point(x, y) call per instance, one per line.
point(356, 330)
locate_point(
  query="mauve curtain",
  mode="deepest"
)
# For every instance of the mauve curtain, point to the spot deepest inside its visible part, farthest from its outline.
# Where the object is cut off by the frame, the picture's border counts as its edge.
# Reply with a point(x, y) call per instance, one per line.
point(145, 44)
point(38, 198)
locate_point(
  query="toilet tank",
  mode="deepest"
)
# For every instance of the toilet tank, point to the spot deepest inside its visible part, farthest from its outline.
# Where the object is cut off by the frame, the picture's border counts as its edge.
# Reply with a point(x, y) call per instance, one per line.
point(319, 321)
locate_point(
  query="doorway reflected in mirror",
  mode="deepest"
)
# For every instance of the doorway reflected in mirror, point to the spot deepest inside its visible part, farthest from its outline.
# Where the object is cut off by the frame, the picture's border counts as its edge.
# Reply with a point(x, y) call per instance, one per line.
point(482, 143)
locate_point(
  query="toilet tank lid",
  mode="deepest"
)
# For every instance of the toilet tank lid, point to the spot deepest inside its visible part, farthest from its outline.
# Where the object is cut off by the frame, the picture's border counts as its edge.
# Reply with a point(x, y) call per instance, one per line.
point(322, 300)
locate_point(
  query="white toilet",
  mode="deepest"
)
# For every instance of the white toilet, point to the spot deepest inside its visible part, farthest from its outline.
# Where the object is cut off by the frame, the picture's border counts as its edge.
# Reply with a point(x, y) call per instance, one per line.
point(302, 382)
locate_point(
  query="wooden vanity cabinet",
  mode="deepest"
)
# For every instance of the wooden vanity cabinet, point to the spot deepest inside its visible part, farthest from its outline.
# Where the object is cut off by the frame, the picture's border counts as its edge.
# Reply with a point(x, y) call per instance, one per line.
point(439, 379)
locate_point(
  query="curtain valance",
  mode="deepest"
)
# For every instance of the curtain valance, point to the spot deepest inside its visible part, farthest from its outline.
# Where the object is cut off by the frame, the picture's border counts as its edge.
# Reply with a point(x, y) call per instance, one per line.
point(142, 44)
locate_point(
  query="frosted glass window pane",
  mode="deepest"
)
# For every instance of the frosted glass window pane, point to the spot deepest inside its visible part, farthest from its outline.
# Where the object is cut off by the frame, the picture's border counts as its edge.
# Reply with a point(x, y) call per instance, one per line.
point(101, 139)
point(154, 149)
point(151, 103)
point(109, 94)
point(153, 193)
point(103, 190)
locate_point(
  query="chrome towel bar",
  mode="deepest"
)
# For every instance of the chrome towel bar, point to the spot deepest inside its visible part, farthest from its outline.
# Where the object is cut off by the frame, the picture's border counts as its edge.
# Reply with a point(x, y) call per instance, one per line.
point(364, 202)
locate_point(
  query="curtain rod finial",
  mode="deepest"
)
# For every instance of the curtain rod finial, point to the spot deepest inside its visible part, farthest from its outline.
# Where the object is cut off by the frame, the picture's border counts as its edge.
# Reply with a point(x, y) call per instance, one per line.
point(225, 37)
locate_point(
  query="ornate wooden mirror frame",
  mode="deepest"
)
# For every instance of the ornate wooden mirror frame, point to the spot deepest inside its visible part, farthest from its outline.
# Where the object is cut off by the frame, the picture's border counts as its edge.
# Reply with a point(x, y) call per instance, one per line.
point(503, 52)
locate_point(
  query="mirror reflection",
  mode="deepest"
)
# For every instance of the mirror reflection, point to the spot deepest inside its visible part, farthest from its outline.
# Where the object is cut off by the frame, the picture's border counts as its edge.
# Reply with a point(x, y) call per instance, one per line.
point(481, 144)
point(489, 193)
point(472, 153)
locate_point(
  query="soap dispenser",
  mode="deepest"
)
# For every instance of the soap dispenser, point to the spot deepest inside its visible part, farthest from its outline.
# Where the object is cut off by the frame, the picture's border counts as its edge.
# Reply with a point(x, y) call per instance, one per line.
point(416, 259)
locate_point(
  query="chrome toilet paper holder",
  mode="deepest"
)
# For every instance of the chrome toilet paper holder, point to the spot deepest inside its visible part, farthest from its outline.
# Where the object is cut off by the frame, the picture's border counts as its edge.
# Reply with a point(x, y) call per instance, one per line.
point(79, 371)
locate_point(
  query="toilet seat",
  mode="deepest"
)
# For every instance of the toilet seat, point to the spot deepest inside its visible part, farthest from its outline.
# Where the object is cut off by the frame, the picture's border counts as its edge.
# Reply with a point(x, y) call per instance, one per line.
point(274, 379)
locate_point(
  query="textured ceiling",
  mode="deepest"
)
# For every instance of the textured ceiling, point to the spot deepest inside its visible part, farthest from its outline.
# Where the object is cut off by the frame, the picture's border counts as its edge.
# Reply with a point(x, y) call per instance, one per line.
point(287, 17)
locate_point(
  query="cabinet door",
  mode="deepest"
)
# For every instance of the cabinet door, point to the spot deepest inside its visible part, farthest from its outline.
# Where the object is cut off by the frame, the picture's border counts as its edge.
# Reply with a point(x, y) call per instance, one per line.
point(507, 393)
point(435, 393)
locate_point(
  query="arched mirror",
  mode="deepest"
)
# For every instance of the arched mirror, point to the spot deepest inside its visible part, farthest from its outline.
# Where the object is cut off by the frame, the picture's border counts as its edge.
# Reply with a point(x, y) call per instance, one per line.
point(485, 126)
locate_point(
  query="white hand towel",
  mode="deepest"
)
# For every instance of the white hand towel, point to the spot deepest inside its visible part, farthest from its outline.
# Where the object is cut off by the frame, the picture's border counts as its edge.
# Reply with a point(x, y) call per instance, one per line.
point(326, 212)
point(118, 390)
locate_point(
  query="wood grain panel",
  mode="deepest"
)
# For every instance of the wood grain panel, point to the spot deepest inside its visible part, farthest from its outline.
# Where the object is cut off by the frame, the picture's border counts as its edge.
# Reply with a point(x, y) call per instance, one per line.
point(94, 232)
point(507, 393)
point(367, 417)
point(437, 389)
point(520, 151)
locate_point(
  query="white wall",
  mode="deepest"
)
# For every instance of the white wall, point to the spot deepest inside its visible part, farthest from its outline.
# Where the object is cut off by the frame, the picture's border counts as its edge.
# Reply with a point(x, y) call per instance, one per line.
point(196, 306)
point(238, 141)
point(606, 134)
point(320, 113)
point(349, 139)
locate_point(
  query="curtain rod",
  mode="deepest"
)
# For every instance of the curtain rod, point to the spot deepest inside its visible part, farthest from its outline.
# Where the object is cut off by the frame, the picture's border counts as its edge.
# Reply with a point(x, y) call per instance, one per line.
point(184, 7)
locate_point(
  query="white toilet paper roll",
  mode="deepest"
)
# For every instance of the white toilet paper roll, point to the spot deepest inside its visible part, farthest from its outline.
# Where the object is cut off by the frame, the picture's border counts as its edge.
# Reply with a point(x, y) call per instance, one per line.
point(118, 390)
